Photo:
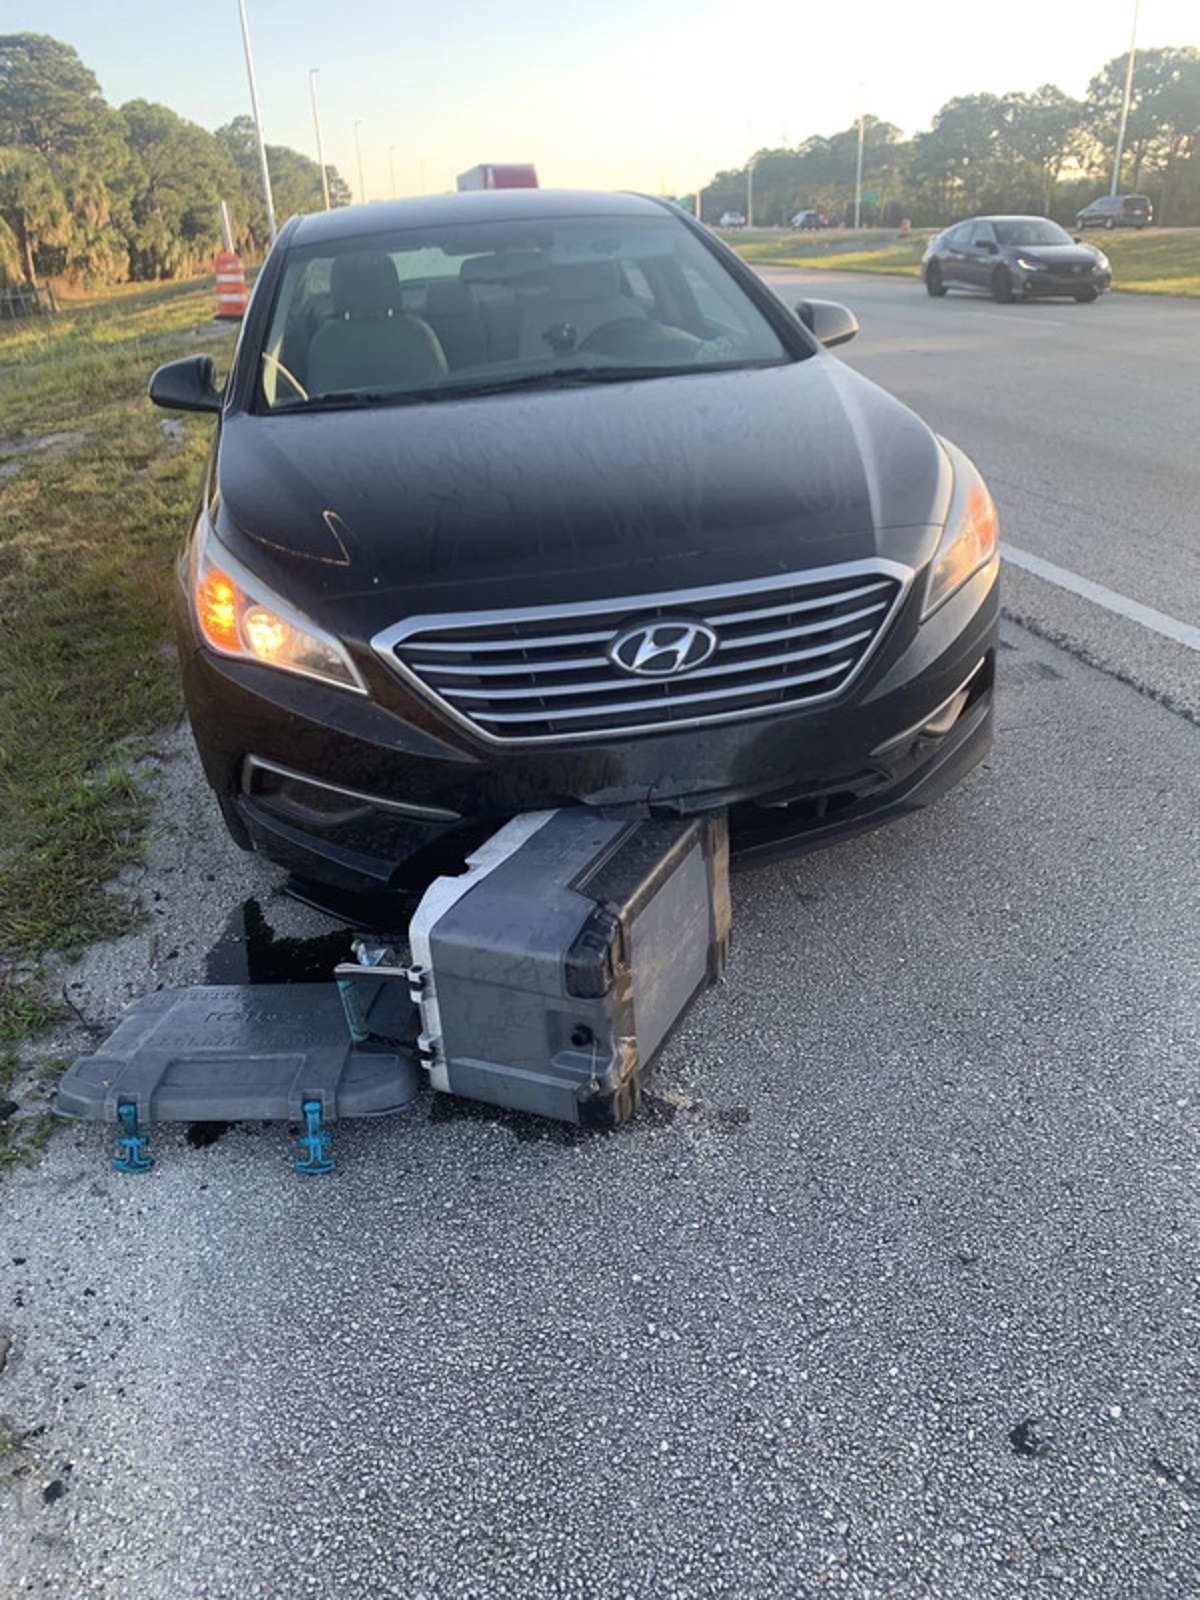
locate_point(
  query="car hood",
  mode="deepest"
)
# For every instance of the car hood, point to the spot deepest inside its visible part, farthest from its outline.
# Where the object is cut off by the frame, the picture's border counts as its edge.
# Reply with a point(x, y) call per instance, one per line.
point(1057, 255)
point(578, 494)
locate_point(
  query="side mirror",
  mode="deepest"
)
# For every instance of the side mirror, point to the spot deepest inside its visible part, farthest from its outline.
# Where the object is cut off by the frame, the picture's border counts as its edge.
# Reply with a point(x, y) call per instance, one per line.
point(828, 321)
point(187, 385)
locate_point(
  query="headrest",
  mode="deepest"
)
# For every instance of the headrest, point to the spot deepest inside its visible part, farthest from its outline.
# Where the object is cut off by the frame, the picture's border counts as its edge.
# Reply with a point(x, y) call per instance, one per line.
point(504, 267)
point(447, 295)
point(364, 285)
point(585, 280)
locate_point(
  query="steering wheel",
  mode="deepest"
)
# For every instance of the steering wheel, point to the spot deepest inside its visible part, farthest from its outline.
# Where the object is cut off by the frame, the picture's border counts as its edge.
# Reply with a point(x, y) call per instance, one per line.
point(613, 333)
point(635, 336)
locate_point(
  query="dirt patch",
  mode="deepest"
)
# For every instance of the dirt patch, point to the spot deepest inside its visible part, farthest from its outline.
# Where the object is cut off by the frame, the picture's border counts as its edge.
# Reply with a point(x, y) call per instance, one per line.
point(44, 441)
point(12, 451)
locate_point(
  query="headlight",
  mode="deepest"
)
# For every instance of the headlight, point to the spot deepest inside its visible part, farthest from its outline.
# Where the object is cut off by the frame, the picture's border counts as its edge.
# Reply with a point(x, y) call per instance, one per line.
point(971, 537)
point(1030, 266)
point(236, 615)
point(1102, 261)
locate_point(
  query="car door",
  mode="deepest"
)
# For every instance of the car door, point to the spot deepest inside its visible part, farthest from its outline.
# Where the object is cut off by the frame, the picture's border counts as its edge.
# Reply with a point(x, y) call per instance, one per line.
point(980, 255)
point(953, 259)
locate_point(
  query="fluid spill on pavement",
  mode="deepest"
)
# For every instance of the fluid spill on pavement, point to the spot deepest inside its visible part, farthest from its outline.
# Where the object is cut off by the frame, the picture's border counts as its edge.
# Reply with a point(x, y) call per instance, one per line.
point(201, 1134)
point(1026, 1441)
point(248, 951)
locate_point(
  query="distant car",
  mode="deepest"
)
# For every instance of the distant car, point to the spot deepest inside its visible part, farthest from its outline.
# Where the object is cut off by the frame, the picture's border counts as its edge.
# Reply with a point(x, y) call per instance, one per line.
point(523, 499)
point(732, 219)
point(1116, 211)
point(810, 219)
point(1014, 258)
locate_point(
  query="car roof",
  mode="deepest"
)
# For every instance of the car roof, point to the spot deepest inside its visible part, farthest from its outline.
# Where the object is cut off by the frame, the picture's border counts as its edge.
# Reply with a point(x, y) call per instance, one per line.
point(1010, 218)
point(472, 205)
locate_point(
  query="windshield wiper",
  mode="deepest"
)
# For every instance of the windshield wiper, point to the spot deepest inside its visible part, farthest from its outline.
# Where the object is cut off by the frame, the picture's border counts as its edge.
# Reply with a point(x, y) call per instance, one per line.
point(561, 378)
point(355, 400)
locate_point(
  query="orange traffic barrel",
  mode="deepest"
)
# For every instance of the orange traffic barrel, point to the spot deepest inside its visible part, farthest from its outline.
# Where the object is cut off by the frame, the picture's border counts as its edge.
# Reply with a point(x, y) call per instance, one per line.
point(231, 285)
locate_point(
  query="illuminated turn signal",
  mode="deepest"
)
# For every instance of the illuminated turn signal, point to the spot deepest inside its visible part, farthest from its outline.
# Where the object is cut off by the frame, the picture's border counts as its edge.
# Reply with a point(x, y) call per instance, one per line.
point(237, 616)
point(217, 610)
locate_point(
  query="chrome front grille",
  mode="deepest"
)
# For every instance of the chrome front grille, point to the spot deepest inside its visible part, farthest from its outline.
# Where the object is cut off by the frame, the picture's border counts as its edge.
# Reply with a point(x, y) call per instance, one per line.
point(542, 674)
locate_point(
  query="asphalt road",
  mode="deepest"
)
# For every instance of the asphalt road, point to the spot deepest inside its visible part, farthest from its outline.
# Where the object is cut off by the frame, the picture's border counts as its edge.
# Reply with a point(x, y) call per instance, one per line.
point(1083, 419)
point(896, 1293)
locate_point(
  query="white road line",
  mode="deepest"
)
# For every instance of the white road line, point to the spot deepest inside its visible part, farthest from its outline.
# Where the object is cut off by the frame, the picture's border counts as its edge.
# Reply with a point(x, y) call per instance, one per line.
point(1157, 621)
point(1000, 316)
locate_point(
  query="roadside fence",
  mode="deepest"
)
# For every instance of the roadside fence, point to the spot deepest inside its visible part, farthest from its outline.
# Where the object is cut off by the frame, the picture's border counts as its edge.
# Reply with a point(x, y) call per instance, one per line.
point(27, 301)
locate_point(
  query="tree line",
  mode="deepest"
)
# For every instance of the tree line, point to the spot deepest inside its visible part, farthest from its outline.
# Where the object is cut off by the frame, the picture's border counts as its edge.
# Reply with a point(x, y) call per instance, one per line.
point(97, 194)
point(1042, 153)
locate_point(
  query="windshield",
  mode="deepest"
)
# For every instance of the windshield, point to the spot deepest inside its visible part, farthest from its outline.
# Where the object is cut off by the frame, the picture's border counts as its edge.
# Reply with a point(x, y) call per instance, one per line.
point(1032, 230)
point(481, 307)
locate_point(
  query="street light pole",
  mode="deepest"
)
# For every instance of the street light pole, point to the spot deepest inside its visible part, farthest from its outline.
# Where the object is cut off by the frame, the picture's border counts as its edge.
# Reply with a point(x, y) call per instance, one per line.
point(750, 191)
point(1116, 177)
point(312, 85)
point(362, 187)
point(262, 148)
point(859, 167)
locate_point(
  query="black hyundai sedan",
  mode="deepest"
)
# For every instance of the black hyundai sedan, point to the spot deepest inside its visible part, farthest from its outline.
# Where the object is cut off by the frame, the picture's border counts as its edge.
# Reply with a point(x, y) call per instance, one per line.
point(524, 499)
point(1014, 258)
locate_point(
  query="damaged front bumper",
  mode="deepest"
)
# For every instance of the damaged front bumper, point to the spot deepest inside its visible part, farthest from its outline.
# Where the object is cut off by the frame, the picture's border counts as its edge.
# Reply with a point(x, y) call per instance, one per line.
point(374, 802)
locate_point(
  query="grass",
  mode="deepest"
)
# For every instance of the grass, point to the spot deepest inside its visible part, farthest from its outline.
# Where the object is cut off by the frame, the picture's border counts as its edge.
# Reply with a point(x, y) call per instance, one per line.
point(1143, 263)
point(1154, 263)
point(23, 1138)
point(88, 530)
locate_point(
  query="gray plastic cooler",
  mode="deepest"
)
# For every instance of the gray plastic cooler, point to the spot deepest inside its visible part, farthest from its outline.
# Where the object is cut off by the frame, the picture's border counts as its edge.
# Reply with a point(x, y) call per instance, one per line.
point(550, 973)
point(545, 978)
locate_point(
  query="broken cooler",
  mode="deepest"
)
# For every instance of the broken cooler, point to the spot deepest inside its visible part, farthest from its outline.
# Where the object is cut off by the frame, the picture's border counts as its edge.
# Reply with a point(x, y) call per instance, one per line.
point(550, 973)
point(543, 978)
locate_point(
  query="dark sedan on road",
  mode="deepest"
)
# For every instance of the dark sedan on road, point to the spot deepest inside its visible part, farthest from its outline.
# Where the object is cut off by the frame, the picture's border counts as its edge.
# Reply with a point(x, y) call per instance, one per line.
point(1014, 258)
point(527, 499)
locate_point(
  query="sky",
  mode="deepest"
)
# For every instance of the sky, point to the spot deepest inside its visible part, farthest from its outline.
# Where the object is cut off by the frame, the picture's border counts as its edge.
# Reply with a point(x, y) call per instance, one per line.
point(655, 95)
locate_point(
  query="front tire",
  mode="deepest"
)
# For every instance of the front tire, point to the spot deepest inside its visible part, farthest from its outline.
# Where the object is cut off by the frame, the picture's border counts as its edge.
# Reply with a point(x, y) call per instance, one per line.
point(1086, 296)
point(1002, 286)
point(933, 281)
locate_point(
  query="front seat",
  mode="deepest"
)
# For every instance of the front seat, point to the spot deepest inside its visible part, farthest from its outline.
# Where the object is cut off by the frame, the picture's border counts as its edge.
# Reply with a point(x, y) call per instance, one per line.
point(370, 343)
